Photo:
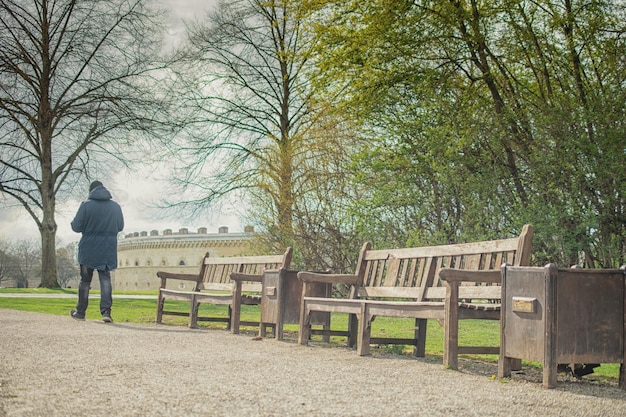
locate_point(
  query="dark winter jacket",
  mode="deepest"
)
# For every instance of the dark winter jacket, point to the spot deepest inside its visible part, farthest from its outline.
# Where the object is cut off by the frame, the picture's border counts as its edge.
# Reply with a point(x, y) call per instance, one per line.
point(99, 219)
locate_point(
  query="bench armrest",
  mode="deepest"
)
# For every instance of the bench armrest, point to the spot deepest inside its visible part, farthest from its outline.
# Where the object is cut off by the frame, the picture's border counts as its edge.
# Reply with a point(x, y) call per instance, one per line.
point(323, 278)
point(173, 275)
point(451, 275)
point(240, 277)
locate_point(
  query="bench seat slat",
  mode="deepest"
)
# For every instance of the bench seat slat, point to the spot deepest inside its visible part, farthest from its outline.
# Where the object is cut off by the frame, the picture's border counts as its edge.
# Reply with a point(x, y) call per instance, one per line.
point(178, 295)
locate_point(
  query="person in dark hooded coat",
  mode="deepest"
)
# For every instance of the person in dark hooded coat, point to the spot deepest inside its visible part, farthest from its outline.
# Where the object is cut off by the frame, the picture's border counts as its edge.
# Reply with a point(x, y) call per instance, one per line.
point(99, 219)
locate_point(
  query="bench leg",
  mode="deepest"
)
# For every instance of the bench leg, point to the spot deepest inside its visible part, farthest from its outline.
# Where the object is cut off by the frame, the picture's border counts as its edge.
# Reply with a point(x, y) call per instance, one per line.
point(353, 328)
point(549, 368)
point(193, 314)
point(305, 325)
point(233, 323)
point(326, 328)
point(549, 376)
point(234, 312)
point(419, 350)
point(365, 329)
point(263, 330)
point(451, 327)
point(504, 366)
point(159, 313)
point(279, 327)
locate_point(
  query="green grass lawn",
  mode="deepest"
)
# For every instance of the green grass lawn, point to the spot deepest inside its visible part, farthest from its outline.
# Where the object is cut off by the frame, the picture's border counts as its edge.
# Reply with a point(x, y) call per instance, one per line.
point(471, 332)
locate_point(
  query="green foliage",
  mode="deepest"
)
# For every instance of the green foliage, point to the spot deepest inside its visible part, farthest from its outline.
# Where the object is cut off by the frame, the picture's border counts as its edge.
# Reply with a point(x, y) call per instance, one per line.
point(483, 116)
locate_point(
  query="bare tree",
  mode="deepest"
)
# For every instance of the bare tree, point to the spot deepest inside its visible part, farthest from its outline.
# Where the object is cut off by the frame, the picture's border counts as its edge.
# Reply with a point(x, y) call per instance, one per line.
point(25, 256)
point(77, 83)
point(248, 100)
point(5, 262)
point(66, 265)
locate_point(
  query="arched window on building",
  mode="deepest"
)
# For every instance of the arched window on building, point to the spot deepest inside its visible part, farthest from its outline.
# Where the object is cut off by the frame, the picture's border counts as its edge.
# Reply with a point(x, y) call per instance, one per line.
point(181, 263)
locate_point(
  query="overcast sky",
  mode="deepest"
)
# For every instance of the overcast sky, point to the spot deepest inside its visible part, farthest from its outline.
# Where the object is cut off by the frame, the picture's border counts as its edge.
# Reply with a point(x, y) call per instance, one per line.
point(134, 191)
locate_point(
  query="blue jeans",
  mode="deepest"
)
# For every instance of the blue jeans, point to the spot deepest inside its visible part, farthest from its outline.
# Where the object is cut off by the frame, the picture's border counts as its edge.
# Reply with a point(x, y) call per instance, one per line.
point(106, 290)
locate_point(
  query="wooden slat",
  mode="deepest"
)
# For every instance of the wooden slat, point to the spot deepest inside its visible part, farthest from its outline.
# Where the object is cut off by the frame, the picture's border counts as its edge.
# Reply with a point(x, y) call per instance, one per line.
point(217, 286)
point(417, 266)
point(422, 310)
point(405, 278)
point(497, 260)
point(381, 266)
point(435, 293)
point(236, 260)
point(219, 273)
point(491, 292)
point(369, 266)
point(178, 295)
point(472, 261)
point(390, 292)
point(446, 250)
point(251, 287)
point(440, 262)
point(393, 268)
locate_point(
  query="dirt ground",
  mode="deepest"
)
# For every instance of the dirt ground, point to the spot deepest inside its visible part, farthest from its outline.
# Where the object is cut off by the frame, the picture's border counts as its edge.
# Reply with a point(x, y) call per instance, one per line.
point(56, 366)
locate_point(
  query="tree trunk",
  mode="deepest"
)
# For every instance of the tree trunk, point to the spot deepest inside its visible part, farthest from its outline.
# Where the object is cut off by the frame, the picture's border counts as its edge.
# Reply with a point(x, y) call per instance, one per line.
point(48, 256)
point(48, 231)
point(285, 197)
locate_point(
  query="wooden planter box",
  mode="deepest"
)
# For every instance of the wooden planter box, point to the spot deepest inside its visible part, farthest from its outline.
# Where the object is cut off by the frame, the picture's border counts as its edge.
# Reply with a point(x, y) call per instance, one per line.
point(562, 316)
point(281, 298)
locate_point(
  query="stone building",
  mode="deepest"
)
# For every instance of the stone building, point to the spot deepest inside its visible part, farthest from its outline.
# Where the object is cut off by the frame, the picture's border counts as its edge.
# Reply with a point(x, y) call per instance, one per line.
point(141, 255)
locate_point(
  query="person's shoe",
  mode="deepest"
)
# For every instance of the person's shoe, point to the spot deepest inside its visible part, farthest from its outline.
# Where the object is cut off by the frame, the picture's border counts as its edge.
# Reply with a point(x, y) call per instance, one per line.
point(75, 315)
point(106, 317)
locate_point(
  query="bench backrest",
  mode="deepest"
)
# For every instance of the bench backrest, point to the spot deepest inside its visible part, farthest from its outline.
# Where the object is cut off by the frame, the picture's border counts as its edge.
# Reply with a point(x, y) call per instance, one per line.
point(412, 272)
point(215, 272)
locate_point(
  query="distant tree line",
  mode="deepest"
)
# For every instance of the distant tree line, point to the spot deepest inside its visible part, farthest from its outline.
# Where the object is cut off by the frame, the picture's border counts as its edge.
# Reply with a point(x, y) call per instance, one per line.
point(20, 263)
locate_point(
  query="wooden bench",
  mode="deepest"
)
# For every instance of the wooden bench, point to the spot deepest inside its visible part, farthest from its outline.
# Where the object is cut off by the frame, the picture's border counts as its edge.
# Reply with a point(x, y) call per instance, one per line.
point(230, 281)
point(408, 283)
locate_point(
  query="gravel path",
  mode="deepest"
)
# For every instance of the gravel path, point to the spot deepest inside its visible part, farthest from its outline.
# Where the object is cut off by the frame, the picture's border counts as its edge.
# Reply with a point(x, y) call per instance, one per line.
point(55, 366)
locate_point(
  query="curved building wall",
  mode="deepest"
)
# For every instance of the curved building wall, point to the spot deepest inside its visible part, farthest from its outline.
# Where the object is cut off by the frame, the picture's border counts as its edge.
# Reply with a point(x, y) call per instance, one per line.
point(142, 255)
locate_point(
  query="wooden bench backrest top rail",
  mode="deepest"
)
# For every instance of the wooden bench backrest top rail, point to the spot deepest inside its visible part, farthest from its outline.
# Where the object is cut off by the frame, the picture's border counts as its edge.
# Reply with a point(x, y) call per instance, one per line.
point(218, 270)
point(411, 272)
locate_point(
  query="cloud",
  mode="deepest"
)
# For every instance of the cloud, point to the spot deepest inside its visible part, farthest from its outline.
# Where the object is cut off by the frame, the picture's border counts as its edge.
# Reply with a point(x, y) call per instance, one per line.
point(182, 11)
point(137, 194)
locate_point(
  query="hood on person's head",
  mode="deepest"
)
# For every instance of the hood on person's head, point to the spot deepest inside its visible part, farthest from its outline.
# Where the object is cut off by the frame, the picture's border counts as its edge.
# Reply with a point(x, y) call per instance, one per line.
point(94, 185)
point(98, 192)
